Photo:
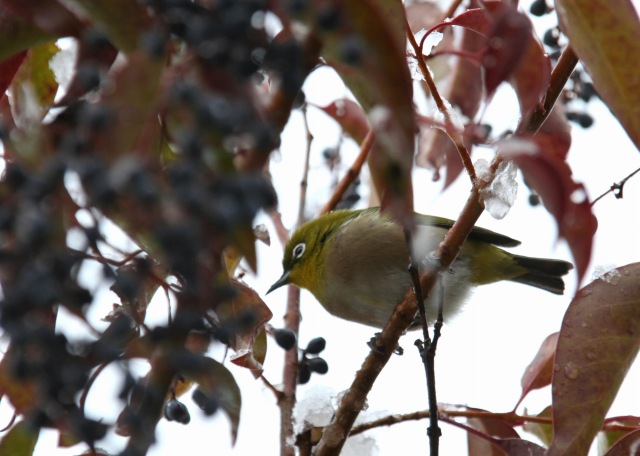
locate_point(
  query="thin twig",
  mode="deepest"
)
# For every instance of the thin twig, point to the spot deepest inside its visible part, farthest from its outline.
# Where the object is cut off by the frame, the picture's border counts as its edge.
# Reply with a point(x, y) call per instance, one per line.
point(287, 399)
point(276, 392)
point(305, 171)
point(352, 173)
point(87, 387)
point(427, 356)
point(450, 130)
point(616, 188)
point(452, 9)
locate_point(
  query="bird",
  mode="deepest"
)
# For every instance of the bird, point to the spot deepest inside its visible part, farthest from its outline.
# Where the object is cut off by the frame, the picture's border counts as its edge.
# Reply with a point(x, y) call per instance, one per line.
point(355, 263)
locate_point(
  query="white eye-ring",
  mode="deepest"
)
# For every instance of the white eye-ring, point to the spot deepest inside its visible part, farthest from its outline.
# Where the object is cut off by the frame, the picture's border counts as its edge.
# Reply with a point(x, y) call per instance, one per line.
point(298, 250)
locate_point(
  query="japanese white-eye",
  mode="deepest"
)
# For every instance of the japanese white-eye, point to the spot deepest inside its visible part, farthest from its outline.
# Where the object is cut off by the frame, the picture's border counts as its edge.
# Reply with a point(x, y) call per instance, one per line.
point(355, 262)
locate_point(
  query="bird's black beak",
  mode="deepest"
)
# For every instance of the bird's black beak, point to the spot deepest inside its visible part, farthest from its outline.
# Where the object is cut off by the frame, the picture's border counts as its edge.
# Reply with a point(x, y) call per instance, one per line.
point(283, 280)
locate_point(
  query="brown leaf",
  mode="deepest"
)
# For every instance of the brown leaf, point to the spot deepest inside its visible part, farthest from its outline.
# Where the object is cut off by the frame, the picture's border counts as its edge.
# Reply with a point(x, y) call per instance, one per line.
point(555, 133)
point(363, 46)
point(132, 102)
point(350, 116)
point(520, 447)
point(531, 77)
point(493, 427)
point(246, 302)
point(546, 172)
point(599, 339)
point(539, 372)
point(49, 16)
point(607, 40)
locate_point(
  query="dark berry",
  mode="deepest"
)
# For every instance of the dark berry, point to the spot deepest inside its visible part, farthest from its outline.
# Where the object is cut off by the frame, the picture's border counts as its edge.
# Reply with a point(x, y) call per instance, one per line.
point(175, 410)
point(318, 365)
point(209, 405)
point(587, 90)
point(534, 199)
point(316, 345)
point(538, 8)
point(285, 338)
point(551, 37)
point(304, 374)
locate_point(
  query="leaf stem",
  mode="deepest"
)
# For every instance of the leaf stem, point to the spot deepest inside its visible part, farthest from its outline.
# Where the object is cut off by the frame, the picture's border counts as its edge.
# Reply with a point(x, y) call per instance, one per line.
point(450, 127)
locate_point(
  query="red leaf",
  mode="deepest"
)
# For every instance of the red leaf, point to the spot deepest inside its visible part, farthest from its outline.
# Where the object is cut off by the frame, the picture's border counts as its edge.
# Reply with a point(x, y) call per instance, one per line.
point(493, 428)
point(50, 16)
point(506, 46)
point(555, 133)
point(546, 172)
point(539, 372)
point(520, 447)
point(531, 78)
point(350, 116)
point(475, 19)
point(8, 70)
point(599, 339)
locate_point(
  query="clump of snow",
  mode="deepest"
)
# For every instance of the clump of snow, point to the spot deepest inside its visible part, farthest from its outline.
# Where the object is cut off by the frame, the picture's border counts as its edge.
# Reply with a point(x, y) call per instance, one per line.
point(608, 273)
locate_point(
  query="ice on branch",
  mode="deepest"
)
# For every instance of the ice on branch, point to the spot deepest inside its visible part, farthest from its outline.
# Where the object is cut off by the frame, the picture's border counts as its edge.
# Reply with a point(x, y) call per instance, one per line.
point(431, 41)
point(500, 193)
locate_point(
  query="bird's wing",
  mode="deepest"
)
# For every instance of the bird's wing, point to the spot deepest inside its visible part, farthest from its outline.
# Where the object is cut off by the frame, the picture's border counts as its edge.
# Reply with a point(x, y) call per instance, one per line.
point(480, 234)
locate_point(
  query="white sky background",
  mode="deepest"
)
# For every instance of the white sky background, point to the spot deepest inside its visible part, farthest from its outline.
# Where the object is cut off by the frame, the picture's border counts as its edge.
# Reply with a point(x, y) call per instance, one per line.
point(482, 353)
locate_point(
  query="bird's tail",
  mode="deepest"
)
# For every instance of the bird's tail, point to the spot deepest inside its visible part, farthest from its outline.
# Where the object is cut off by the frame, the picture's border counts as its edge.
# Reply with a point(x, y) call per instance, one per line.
point(543, 273)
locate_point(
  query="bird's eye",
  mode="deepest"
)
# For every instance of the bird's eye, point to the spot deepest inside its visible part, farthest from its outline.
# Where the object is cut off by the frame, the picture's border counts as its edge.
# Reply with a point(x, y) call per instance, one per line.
point(298, 250)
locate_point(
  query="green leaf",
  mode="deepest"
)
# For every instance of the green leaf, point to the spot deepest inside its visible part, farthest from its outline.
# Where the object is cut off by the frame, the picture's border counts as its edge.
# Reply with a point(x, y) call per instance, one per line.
point(626, 445)
point(606, 36)
point(36, 72)
point(543, 431)
point(599, 340)
point(19, 441)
